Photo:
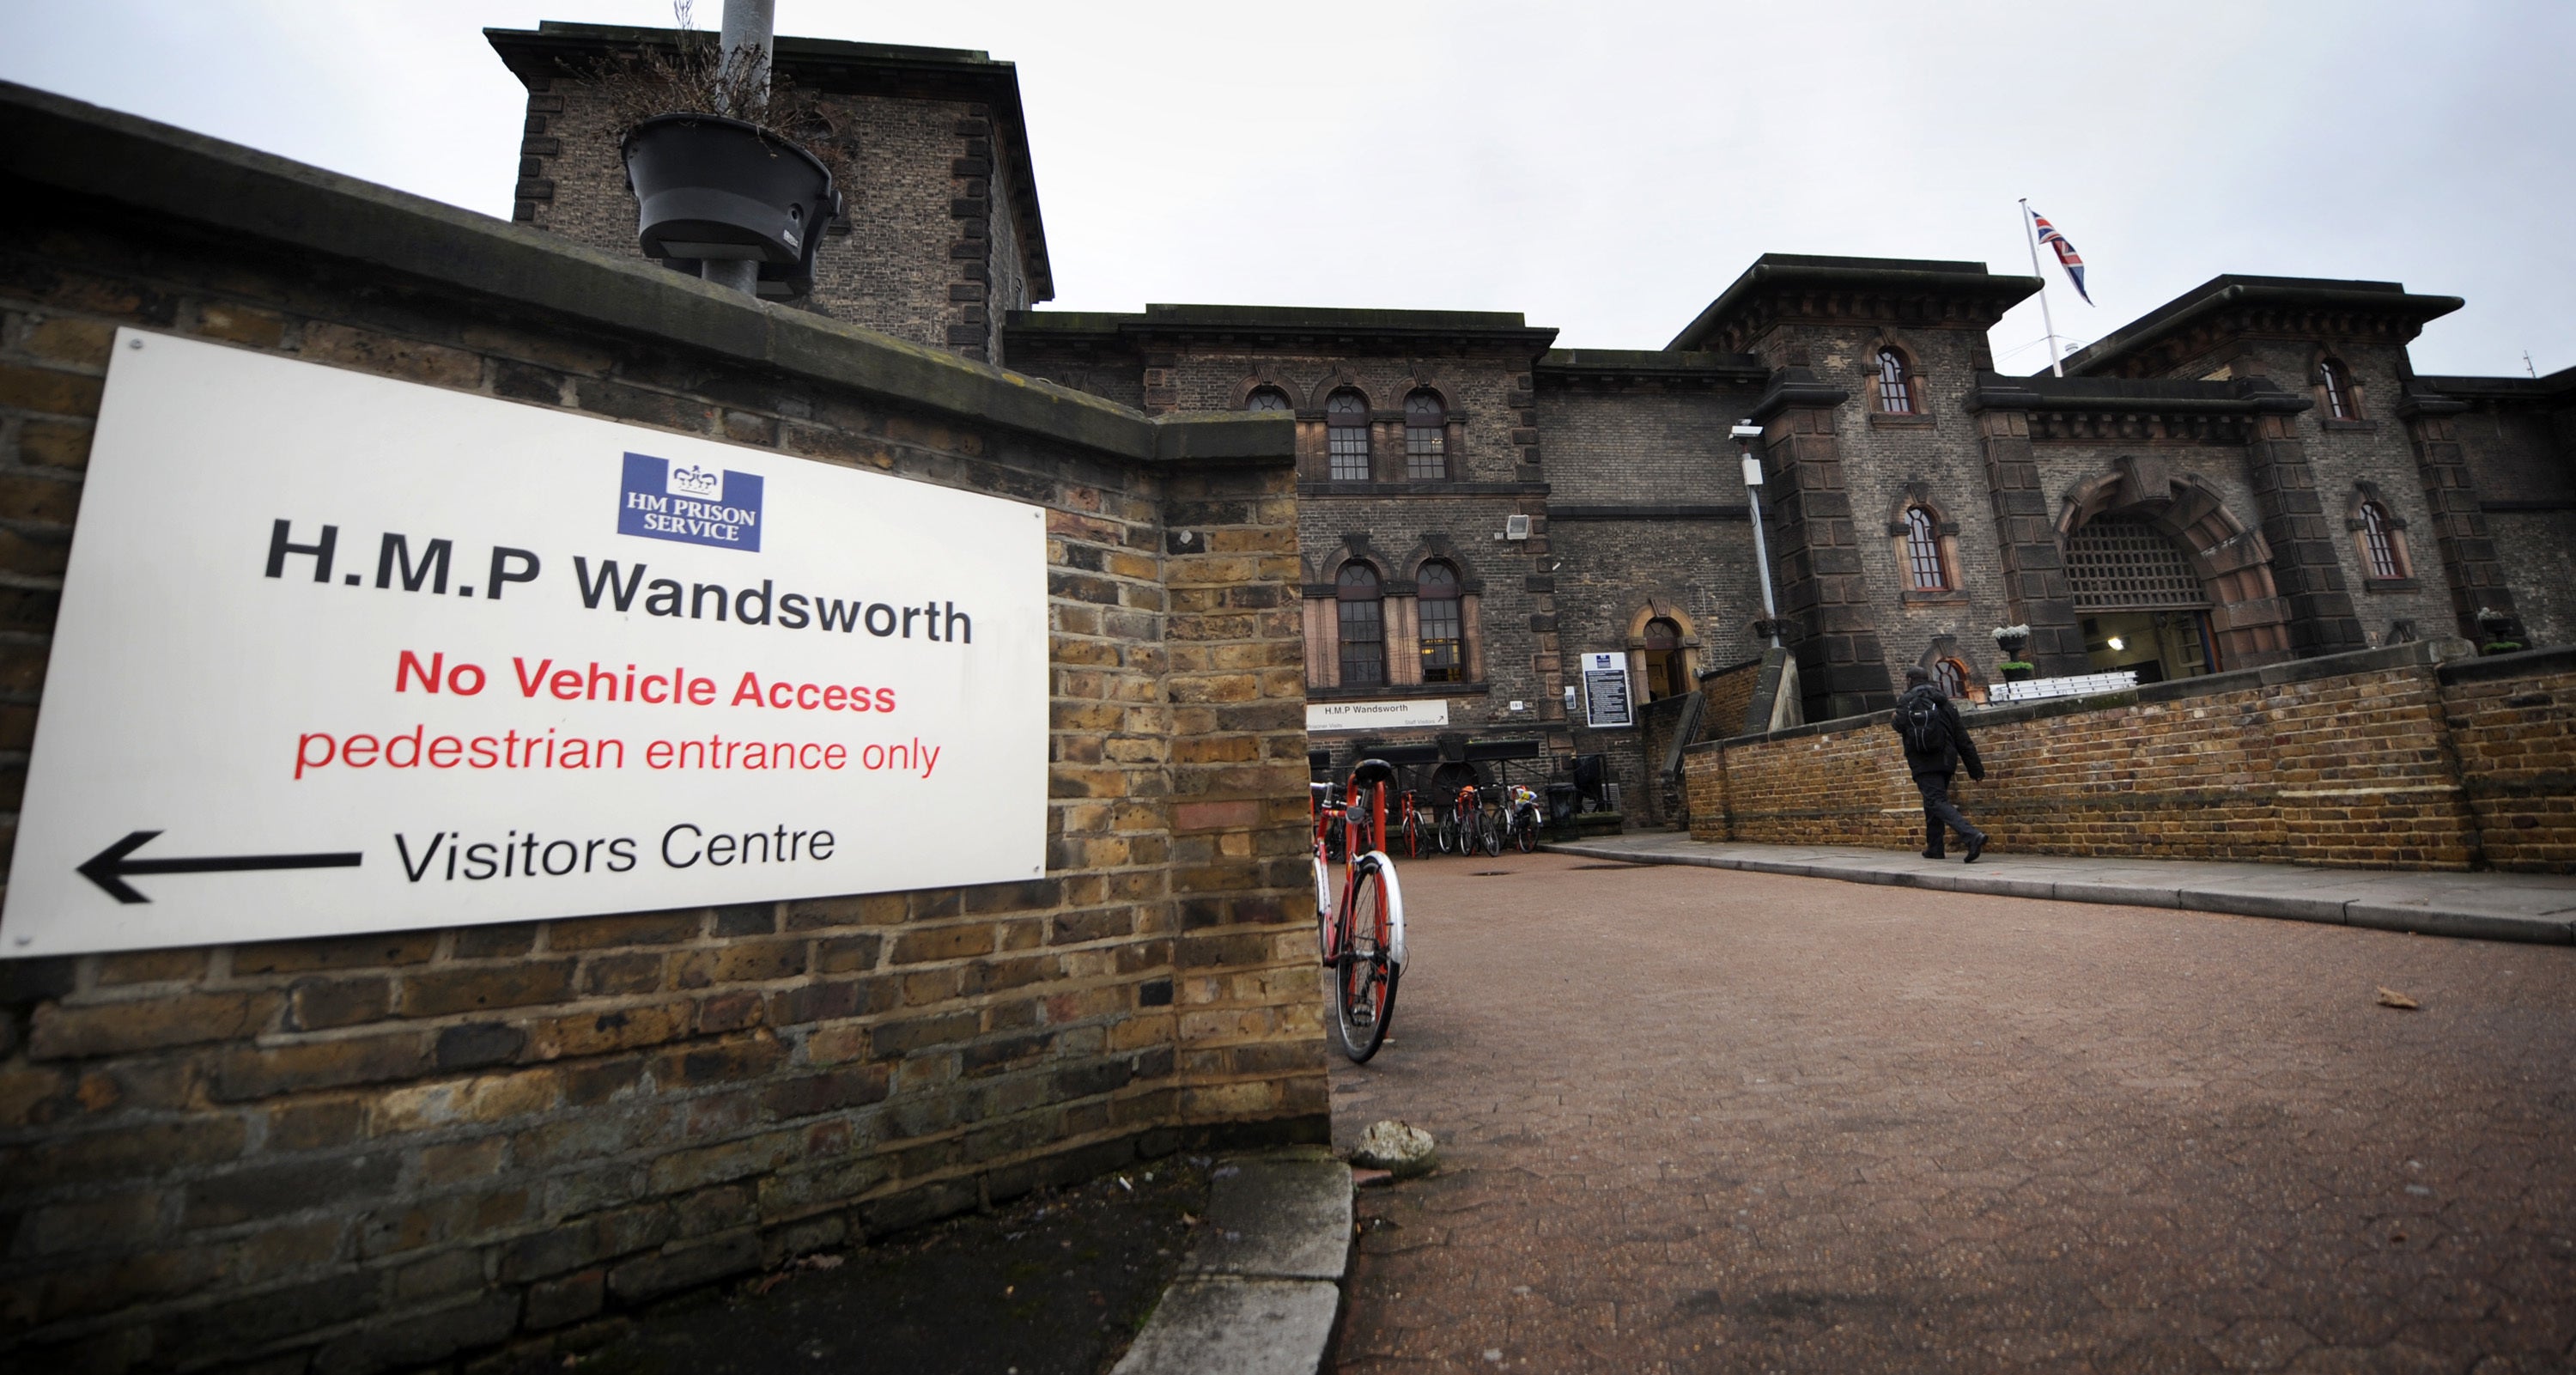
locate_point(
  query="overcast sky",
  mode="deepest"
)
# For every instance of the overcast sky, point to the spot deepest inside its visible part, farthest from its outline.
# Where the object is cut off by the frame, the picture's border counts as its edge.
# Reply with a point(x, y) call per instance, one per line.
point(1605, 169)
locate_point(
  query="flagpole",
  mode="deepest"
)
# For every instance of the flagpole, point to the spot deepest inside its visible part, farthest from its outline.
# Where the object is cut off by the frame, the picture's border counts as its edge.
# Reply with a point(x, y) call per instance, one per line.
point(2030, 236)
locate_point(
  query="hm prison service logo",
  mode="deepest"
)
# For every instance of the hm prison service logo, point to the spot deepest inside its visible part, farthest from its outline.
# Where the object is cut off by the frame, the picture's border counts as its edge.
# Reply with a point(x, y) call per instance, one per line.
point(689, 502)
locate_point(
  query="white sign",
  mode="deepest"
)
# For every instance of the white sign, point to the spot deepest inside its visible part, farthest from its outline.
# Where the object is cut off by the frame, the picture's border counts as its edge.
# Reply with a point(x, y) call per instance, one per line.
point(1606, 703)
point(1324, 716)
point(341, 654)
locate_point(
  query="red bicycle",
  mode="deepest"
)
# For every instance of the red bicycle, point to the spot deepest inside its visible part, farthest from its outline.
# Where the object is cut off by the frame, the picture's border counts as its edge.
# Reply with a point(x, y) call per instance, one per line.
point(1359, 932)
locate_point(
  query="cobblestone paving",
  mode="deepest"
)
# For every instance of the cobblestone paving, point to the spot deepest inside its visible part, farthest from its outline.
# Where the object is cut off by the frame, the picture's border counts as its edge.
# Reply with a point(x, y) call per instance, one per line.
point(1697, 1120)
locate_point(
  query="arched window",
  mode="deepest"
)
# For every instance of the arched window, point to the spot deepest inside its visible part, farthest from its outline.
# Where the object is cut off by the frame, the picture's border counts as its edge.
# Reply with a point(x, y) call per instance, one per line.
point(1363, 626)
point(1346, 435)
point(1895, 384)
point(2338, 384)
point(1666, 674)
point(1952, 676)
point(1444, 629)
point(2379, 542)
point(1426, 438)
point(1268, 399)
point(1923, 569)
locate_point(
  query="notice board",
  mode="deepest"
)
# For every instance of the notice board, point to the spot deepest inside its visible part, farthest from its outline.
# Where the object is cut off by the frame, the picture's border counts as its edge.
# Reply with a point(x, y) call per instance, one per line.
point(1606, 703)
point(339, 653)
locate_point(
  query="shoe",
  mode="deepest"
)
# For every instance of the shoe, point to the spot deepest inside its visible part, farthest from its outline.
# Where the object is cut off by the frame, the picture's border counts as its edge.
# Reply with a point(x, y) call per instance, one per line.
point(1934, 854)
point(1976, 847)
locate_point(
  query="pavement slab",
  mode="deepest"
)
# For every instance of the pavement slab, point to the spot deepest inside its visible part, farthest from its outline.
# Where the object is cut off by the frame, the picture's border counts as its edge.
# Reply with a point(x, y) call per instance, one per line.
point(1261, 1285)
point(2539, 908)
point(1694, 1119)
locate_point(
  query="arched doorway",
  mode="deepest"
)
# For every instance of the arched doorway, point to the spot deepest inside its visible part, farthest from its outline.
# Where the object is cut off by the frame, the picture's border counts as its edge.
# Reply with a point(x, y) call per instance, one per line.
point(1667, 672)
point(2140, 603)
point(2136, 525)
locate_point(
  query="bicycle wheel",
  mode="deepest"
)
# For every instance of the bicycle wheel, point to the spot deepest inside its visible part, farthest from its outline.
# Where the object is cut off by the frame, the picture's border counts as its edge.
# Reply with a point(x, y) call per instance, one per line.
point(1492, 831)
point(1365, 977)
point(1525, 832)
point(1412, 835)
point(1446, 834)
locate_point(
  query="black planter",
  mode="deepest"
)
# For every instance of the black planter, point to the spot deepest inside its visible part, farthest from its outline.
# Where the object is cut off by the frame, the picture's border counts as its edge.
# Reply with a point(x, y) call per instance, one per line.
point(2016, 675)
point(716, 188)
point(2012, 645)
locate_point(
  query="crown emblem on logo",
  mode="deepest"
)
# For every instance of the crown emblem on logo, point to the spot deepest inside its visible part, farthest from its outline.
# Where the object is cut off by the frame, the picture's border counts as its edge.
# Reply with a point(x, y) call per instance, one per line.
point(690, 480)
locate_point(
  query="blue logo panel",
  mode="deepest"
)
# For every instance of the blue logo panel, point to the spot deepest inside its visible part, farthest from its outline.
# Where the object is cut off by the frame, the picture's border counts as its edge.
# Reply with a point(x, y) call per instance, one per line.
point(689, 503)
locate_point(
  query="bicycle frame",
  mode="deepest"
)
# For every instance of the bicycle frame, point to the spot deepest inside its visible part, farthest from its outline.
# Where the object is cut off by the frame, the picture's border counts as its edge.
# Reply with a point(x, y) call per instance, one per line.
point(1337, 916)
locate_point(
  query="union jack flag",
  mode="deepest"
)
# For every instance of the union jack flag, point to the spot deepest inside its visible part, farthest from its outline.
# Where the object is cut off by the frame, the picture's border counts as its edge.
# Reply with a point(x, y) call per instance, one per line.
point(2067, 257)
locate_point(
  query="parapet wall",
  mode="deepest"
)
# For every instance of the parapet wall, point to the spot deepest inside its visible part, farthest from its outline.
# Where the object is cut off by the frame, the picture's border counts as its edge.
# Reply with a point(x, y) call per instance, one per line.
point(380, 1151)
point(2389, 758)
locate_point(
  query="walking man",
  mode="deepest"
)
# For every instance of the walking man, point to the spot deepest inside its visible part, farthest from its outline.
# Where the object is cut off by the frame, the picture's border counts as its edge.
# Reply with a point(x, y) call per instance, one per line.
point(1936, 743)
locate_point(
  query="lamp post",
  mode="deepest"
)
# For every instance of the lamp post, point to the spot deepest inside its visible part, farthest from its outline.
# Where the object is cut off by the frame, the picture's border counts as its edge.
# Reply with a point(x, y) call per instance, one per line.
point(746, 38)
point(1744, 433)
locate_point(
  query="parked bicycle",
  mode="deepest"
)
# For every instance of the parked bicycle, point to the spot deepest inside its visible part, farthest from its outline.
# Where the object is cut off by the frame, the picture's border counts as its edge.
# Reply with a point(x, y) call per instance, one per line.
point(1408, 825)
point(1359, 932)
point(1458, 822)
point(1489, 821)
point(1524, 819)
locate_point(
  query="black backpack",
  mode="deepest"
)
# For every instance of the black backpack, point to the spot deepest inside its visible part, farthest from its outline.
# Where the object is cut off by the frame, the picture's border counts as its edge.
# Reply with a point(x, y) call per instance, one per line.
point(1918, 719)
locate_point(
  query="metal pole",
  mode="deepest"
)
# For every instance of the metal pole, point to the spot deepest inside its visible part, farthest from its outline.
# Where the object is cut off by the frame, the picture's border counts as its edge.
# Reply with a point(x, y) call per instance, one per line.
point(1761, 547)
point(2031, 237)
point(748, 28)
point(749, 24)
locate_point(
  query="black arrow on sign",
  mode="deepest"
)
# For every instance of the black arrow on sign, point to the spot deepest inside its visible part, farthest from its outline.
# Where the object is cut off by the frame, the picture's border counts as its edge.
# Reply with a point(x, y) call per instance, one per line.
point(109, 867)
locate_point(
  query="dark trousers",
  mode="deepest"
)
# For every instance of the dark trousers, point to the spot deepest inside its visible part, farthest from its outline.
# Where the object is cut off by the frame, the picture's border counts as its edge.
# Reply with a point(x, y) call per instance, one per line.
point(1939, 810)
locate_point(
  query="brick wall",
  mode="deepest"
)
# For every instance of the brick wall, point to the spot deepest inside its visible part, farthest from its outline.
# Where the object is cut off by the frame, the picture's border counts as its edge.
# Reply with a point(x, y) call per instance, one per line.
point(2540, 548)
point(2512, 723)
point(932, 247)
point(2379, 759)
point(372, 1152)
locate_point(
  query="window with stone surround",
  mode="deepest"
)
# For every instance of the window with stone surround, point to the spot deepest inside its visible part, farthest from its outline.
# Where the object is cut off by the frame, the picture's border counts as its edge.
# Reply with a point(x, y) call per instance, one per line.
point(2341, 403)
point(1269, 400)
point(1925, 570)
point(2379, 539)
point(1426, 437)
point(1444, 627)
point(1362, 618)
point(1952, 676)
point(1346, 435)
point(1895, 384)
point(2375, 542)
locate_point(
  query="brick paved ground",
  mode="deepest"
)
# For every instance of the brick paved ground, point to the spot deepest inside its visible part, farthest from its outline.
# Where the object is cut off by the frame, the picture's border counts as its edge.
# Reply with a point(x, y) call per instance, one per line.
point(1698, 1120)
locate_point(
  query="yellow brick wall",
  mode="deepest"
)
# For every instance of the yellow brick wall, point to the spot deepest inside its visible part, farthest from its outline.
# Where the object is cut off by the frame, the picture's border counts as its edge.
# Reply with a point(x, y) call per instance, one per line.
point(2385, 766)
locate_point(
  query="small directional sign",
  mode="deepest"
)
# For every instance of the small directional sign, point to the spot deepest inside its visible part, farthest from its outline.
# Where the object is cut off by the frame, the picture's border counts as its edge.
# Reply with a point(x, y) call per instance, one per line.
point(109, 868)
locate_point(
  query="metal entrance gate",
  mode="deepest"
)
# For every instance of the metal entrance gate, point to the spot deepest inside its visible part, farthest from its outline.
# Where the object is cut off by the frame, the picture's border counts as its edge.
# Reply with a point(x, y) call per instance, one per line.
point(2142, 605)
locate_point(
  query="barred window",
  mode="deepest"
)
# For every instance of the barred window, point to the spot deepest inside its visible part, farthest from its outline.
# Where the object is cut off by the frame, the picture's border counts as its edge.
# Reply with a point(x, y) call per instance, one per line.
point(1268, 399)
point(1952, 676)
point(1346, 435)
point(1923, 552)
point(2381, 544)
point(1895, 385)
point(1426, 438)
point(1363, 616)
point(2338, 389)
point(2128, 565)
point(1444, 641)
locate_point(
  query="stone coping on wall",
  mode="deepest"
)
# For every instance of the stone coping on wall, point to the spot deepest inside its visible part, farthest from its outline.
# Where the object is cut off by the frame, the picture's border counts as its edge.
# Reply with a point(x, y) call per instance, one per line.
point(67, 146)
point(2451, 654)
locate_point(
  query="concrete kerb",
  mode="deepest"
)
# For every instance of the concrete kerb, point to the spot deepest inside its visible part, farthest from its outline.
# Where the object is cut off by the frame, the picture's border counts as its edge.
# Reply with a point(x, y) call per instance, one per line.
point(2451, 904)
point(1260, 1292)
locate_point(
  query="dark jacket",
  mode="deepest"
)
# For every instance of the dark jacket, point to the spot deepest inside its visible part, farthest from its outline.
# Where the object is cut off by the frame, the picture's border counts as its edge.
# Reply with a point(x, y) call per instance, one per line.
point(1956, 747)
